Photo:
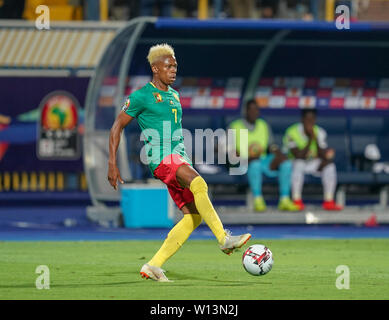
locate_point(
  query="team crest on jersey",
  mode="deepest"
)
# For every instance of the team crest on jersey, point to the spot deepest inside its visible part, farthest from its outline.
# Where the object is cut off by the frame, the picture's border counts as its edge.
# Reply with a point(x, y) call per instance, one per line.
point(176, 96)
point(126, 105)
point(158, 97)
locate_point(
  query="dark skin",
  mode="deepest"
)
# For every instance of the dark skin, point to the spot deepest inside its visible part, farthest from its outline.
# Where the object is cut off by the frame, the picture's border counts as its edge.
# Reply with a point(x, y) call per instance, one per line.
point(164, 74)
point(252, 114)
point(326, 155)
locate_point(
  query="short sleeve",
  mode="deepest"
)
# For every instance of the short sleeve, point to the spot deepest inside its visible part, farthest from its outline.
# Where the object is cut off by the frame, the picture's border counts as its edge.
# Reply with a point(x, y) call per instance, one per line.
point(322, 139)
point(133, 106)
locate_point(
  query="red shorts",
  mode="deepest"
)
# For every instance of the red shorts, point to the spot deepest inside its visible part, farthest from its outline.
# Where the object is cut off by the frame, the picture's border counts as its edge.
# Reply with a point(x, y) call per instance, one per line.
point(166, 172)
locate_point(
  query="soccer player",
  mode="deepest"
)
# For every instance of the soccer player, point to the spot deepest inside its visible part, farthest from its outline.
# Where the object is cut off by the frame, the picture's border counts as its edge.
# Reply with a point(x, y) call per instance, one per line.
point(157, 107)
point(307, 146)
point(264, 157)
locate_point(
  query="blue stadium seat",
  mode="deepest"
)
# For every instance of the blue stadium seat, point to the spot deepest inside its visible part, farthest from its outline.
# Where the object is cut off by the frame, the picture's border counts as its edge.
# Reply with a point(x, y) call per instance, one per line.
point(356, 178)
point(383, 179)
point(342, 154)
point(134, 146)
point(364, 131)
point(383, 141)
point(103, 118)
point(198, 121)
point(336, 128)
point(133, 127)
point(280, 123)
point(333, 124)
point(225, 178)
point(193, 122)
point(383, 146)
point(368, 125)
point(229, 119)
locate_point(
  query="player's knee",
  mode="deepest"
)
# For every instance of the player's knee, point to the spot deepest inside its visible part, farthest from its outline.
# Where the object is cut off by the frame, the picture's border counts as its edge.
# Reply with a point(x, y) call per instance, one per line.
point(255, 165)
point(298, 165)
point(329, 167)
point(198, 185)
point(286, 165)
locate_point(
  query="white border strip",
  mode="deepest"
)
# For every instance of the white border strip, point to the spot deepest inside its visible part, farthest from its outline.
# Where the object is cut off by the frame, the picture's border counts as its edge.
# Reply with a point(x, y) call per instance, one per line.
point(34, 73)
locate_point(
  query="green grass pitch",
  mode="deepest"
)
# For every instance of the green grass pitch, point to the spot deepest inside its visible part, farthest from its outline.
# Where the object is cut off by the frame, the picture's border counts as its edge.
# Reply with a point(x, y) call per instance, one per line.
point(303, 269)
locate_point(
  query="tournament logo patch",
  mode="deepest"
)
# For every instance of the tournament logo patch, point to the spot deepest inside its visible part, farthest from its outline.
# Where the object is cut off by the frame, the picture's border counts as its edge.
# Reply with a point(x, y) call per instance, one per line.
point(158, 97)
point(126, 105)
point(58, 135)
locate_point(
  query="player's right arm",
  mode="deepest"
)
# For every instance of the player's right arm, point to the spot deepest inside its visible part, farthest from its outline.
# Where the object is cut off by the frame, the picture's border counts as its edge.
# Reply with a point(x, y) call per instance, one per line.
point(122, 120)
point(303, 153)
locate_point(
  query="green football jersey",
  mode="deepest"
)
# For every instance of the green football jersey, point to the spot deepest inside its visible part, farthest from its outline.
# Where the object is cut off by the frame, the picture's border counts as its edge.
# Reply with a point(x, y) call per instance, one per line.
point(159, 115)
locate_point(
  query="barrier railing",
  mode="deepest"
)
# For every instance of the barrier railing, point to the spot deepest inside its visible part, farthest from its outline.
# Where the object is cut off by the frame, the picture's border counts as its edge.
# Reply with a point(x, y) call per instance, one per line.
point(40, 181)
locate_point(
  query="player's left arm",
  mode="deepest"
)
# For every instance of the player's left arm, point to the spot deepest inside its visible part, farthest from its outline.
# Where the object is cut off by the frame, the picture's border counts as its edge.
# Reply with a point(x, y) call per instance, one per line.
point(323, 151)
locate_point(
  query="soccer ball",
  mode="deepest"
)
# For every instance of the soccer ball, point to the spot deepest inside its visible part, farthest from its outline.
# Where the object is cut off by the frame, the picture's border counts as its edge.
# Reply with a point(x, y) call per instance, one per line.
point(257, 260)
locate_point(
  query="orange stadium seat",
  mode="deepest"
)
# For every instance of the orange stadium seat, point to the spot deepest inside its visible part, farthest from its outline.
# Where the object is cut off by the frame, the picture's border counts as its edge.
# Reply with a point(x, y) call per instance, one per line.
point(60, 10)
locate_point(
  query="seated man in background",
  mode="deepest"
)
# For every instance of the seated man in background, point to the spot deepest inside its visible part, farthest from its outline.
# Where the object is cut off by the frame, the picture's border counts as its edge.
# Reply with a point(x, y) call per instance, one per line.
point(307, 146)
point(264, 157)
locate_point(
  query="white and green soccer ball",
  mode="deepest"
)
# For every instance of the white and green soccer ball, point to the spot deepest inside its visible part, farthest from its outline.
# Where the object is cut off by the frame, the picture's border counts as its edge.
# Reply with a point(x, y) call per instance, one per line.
point(257, 260)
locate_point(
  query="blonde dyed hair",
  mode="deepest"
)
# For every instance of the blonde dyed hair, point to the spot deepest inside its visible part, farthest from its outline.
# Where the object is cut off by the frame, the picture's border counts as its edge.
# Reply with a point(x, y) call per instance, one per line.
point(159, 51)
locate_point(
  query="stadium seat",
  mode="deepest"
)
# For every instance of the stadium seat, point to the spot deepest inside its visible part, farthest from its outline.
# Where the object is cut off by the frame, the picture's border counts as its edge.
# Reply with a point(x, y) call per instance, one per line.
point(333, 124)
point(363, 131)
point(383, 141)
point(366, 124)
point(60, 10)
point(383, 146)
point(279, 124)
point(382, 179)
point(225, 178)
point(229, 119)
point(336, 128)
point(138, 170)
point(342, 154)
point(193, 122)
point(104, 118)
point(133, 127)
point(364, 178)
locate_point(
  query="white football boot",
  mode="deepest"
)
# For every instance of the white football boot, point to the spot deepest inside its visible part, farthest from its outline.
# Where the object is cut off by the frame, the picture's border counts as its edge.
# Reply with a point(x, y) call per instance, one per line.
point(234, 242)
point(155, 273)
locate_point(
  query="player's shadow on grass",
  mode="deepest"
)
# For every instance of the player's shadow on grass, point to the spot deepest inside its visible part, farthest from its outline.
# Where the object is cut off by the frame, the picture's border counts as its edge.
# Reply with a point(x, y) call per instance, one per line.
point(219, 282)
point(179, 277)
point(109, 274)
point(71, 285)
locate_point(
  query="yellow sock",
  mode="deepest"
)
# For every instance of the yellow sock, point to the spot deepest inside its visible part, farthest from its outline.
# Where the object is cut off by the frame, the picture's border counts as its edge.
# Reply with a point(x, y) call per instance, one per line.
point(175, 239)
point(204, 206)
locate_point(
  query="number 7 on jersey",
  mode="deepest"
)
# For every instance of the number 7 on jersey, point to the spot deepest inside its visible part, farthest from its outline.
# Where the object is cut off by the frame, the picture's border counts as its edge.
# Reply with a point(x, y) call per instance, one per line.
point(175, 115)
